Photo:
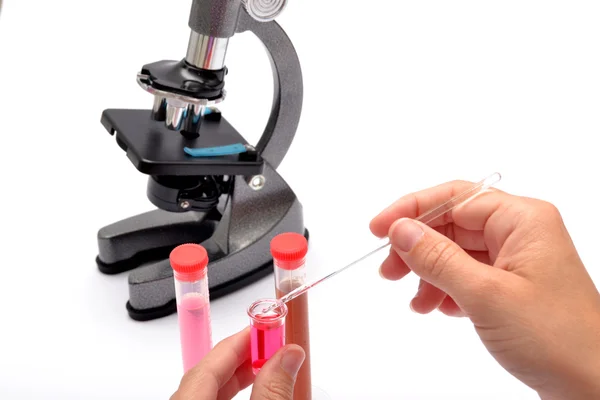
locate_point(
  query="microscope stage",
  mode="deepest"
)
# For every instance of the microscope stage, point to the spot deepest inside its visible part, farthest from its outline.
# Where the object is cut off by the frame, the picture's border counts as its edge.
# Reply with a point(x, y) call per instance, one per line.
point(156, 150)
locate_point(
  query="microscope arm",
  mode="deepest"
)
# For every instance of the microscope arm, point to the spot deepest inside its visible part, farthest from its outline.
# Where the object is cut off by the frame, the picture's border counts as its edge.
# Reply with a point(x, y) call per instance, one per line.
point(287, 85)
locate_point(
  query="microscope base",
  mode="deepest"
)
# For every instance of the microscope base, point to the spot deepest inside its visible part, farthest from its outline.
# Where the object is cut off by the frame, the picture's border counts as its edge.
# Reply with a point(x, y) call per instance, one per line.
point(149, 237)
point(236, 235)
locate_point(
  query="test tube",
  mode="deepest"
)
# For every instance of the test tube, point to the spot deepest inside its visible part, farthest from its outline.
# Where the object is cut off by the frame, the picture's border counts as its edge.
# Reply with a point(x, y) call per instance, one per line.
point(189, 263)
point(267, 331)
point(289, 253)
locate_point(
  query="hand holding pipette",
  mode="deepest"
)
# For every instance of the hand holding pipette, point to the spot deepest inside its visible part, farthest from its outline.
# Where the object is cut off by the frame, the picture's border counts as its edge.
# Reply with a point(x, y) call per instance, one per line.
point(425, 218)
point(509, 264)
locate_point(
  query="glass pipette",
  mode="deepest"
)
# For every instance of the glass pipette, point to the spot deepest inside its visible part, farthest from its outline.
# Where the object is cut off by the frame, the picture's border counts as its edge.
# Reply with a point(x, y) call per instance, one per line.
point(425, 218)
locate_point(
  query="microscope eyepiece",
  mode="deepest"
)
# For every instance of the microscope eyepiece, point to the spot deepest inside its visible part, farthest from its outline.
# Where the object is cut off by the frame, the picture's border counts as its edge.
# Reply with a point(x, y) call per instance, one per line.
point(206, 52)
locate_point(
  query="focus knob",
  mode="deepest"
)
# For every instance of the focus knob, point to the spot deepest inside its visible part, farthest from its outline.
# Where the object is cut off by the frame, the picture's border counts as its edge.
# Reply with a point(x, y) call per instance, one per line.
point(264, 10)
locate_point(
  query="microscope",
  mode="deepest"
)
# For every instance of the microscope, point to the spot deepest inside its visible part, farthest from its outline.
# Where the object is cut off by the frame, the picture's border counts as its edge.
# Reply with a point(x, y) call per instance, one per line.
point(208, 184)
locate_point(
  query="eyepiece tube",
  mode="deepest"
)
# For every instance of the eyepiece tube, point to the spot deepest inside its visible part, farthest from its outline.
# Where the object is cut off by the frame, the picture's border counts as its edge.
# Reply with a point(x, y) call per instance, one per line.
point(206, 52)
point(215, 18)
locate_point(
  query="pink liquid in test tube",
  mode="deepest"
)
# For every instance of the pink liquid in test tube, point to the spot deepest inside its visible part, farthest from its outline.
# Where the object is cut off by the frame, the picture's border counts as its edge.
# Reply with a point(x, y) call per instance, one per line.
point(194, 328)
point(267, 333)
point(189, 263)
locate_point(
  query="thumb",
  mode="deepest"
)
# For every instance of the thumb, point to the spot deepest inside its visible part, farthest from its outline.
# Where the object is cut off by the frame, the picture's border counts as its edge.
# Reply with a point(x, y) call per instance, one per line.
point(277, 377)
point(441, 262)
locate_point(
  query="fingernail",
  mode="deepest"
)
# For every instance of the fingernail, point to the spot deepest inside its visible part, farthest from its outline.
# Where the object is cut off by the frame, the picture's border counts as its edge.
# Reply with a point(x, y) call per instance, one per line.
point(381, 273)
point(411, 307)
point(405, 234)
point(292, 361)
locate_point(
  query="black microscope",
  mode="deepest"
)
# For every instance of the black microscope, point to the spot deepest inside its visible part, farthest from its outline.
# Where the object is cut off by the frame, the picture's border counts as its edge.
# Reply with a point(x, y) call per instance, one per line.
point(210, 186)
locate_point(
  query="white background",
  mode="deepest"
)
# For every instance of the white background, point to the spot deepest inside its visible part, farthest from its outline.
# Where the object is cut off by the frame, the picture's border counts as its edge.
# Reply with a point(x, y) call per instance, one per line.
point(399, 96)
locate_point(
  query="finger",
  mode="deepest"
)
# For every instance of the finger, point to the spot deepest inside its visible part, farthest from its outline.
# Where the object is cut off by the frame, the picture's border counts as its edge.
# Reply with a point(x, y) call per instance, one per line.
point(441, 262)
point(393, 268)
point(427, 299)
point(204, 381)
point(467, 239)
point(471, 215)
point(414, 204)
point(242, 378)
point(277, 377)
point(450, 308)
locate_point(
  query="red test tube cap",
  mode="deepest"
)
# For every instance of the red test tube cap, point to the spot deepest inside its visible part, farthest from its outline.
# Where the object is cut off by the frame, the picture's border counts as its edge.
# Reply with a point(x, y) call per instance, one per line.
point(289, 250)
point(189, 262)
